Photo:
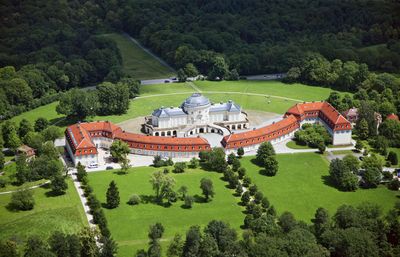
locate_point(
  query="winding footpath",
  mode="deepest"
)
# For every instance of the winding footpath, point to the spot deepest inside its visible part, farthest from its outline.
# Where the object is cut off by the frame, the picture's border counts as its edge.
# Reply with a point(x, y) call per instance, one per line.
point(29, 188)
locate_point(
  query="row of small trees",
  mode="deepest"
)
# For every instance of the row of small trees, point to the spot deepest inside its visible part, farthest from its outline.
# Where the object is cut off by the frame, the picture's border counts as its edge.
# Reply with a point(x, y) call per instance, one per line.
point(109, 246)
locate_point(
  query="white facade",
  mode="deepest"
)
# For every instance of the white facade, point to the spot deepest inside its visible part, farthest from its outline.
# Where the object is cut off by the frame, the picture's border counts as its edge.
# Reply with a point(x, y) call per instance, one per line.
point(194, 115)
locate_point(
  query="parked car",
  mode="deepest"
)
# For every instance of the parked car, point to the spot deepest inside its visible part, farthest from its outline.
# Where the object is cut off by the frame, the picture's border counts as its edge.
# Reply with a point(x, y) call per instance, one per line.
point(109, 168)
point(93, 165)
point(166, 81)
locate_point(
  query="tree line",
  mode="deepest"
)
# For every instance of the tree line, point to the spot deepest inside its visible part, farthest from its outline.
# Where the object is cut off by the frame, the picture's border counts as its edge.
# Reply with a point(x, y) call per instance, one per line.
point(352, 231)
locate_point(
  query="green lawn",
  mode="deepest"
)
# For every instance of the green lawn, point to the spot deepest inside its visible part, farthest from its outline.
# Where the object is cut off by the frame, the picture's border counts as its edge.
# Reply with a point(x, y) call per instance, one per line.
point(64, 213)
point(129, 224)
point(167, 88)
point(145, 106)
point(294, 145)
point(137, 62)
point(276, 88)
point(47, 111)
point(300, 187)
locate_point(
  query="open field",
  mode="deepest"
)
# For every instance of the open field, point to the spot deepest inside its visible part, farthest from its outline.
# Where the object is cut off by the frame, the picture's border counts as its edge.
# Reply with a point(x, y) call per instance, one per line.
point(64, 213)
point(276, 88)
point(175, 93)
point(47, 111)
point(129, 224)
point(301, 186)
point(136, 62)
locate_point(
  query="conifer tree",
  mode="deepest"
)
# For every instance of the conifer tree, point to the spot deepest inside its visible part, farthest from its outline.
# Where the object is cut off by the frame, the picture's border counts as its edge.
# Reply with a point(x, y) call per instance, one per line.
point(112, 195)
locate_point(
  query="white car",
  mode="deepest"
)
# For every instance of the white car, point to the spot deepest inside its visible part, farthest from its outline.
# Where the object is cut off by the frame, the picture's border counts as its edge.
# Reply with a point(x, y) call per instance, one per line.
point(93, 165)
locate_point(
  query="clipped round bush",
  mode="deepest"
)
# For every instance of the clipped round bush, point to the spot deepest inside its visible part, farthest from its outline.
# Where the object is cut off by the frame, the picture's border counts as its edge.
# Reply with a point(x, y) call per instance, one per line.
point(134, 200)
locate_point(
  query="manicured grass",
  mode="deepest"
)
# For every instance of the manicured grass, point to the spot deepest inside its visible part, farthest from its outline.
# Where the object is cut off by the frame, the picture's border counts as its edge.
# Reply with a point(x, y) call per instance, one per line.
point(294, 145)
point(129, 224)
point(9, 177)
point(47, 111)
point(64, 213)
point(167, 88)
point(301, 186)
point(277, 88)
point(145, 106)
point(137, 62)
point(342, 152)
point(251, 102)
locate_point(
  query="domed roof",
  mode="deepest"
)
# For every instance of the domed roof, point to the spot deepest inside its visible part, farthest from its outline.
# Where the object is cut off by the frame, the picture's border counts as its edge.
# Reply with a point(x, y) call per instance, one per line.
point(196, 100)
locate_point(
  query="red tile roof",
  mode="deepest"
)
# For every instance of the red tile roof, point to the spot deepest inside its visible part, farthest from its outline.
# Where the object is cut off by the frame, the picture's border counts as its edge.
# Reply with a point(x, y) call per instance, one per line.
point(323, 110)
point(392, 116)
point(259, 135)
point(80, 138)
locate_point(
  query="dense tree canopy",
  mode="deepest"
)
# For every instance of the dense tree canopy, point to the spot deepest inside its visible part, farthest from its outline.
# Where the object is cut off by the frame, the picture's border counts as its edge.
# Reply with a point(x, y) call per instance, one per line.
point(265, 36)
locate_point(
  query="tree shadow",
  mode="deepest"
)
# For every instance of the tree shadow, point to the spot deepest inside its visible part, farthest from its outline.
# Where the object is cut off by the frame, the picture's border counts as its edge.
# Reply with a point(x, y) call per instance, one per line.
point(255, 162)
point(53, 194)
point(12, 208)
point(120, 172)
point(46, 186)
point(199, 199)
point(328, 181)
point(184, 206)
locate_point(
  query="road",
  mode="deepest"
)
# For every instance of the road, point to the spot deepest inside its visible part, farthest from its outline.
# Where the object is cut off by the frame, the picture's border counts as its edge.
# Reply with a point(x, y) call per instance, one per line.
point(266, 76)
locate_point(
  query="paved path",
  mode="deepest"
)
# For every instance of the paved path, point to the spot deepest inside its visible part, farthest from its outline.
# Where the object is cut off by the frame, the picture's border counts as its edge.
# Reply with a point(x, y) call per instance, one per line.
point(82, 197)
point(194, 86)
point(29, 188)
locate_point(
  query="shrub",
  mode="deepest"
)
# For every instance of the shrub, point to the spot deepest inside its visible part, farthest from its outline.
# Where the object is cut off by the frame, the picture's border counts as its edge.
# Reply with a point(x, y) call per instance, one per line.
point(246, 181)
point(189, 200)
point(22, 200)
point(194, 163)
point(134, 200)
point(253, 189)
point(3, 183)
point(240, 152)
point(179, 167)
point(394, 184)
point(392, 158)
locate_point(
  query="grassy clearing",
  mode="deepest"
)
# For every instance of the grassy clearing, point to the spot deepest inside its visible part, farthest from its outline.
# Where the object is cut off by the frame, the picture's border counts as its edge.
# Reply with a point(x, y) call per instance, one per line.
point(295, 145)
point(129, 224)
point(137, 62)
point(301, 186)
point(47, 111)
point(64, 213)
point(9, 177)
point(277, 88)
point(145, 106)
point(342, 152)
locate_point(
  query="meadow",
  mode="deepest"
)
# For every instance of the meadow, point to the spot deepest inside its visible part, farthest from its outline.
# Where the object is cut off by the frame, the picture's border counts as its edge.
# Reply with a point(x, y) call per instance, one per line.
point(51, 213)
point(129, 224)
point(138, 63)
point(172, 94)
point(274, 88)
point(302, 185)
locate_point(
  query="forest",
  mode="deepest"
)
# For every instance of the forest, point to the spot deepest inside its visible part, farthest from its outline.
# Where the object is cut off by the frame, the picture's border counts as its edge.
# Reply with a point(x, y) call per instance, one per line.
point(258, 36)
point(48, 47)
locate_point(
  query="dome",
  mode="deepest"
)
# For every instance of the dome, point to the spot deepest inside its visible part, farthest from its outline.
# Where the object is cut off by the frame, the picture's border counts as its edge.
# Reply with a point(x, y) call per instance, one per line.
point(196, 100)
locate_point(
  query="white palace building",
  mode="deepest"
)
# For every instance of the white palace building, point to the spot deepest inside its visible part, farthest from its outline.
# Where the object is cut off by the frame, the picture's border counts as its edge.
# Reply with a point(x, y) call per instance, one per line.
point(196, 115)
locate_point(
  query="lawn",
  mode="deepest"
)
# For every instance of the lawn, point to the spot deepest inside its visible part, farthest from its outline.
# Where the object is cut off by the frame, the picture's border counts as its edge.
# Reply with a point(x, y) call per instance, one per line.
point(64, 213)
point(8, 176)
point(276, 88)
point(47, 111)
point(300, 187)
point(129, 224)
point(136, 62)
point(178, 92)
point(294, 145)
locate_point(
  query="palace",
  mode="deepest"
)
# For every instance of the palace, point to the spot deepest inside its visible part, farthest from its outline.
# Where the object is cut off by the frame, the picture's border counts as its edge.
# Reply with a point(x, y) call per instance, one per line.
point(196, 115)
point(84, 139)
